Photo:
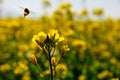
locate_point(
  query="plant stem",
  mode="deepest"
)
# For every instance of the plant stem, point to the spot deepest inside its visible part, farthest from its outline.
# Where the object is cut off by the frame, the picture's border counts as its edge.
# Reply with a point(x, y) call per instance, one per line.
point(54, 73)
point(51, 70)
point(59, 60)
point(41, 71)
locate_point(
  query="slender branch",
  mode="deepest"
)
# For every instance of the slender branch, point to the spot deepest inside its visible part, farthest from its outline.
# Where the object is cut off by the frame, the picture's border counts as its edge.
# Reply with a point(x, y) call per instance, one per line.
point(54, 73)
point(59, 60)
point(41, 71)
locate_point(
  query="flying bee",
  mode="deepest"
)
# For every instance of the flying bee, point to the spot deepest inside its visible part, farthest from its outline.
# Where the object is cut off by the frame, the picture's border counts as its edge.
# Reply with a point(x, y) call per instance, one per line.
point(26, 11)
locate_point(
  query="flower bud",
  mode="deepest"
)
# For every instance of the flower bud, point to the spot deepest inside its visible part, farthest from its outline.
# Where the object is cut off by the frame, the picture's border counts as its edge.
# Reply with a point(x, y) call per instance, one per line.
point(53, 61)
point(33, 59)
point(65, 49)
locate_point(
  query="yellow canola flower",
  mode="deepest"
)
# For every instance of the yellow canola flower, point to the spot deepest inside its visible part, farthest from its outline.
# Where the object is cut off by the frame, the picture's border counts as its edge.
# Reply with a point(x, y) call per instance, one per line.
point(82, 77)
point(42, 36)
point(114, 79)
point(26, 76)
point(53, 34)
point(43, 40)
point(61, 39)
point(65, 48)
point(104, 74)
point(79, 43)
point(39, 38)
point(46, 3)
point(62, 68)
point(98, 11)
point(20, 68)
point(84, 12)
point(65, 6)
point(4, 67)
point(23, 65)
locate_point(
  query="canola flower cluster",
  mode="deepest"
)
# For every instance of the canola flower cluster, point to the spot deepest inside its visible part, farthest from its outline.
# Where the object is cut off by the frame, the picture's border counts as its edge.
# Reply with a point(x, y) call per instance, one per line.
point(51, 39)
point(47, 43)
point(94, 46)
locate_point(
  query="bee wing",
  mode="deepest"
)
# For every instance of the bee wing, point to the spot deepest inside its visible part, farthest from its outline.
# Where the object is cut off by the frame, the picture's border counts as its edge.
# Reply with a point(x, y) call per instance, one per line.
point(21, 7)
point(32, 12)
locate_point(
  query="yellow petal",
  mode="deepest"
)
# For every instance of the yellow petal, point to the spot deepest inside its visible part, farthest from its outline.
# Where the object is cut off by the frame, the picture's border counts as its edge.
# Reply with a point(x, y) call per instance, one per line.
point(61, 39)
point(42, 37)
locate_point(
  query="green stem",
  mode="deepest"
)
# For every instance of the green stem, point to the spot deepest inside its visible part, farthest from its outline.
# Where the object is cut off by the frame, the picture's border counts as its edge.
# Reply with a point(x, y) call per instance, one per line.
point(59, 60)
point(51, 70)
point(40, 71)
point(54, 73)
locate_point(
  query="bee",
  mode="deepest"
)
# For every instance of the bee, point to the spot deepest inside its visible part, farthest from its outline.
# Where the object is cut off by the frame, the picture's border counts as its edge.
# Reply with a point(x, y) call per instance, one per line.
point(26, 11)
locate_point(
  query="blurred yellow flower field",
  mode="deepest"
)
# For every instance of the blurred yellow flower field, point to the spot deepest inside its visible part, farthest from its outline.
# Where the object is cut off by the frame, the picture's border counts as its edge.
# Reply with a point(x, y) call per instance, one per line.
point(93, 53)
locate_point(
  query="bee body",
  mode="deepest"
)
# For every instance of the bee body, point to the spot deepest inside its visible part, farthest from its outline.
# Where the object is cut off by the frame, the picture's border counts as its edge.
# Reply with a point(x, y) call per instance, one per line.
point(26, 12)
